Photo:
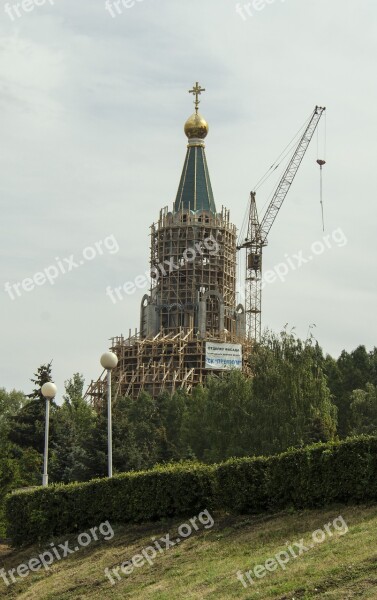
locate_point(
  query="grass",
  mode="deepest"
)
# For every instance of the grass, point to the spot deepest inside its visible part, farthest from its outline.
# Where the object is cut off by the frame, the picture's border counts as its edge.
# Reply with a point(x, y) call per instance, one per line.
point(204, 565)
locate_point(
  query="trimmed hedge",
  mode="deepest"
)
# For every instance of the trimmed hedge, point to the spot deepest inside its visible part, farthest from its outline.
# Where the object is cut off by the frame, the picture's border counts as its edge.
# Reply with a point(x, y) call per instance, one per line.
point(311, 477)
point(314, 476)
point(183, 489)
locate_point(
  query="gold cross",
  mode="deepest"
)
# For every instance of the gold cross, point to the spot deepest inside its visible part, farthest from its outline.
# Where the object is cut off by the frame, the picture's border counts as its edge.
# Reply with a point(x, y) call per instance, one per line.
point(196, 91)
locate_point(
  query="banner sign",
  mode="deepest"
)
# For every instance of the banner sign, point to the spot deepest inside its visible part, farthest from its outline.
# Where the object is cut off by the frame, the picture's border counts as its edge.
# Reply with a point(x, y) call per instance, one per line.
point(223, 356)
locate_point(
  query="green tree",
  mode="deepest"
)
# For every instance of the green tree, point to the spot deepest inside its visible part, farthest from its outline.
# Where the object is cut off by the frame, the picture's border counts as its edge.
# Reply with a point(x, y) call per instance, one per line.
point(351, 371)
point(43, 375)
point(74, 421)
point(28, 465)
point(7, 475)
point(128, 454)
point(10, 405)
point(144, 424)
point(18, 467)
point(219, 418)
point(364, 410)
point(28, 425)
point(292, 402)
point(171, 419)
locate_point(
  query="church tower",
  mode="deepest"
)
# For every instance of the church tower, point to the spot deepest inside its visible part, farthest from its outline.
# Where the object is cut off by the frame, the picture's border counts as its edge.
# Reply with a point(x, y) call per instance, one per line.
point(190, 325)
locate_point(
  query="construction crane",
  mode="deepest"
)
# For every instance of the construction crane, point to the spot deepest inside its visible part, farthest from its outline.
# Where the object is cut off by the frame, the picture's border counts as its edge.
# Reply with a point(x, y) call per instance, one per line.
point(257, 232)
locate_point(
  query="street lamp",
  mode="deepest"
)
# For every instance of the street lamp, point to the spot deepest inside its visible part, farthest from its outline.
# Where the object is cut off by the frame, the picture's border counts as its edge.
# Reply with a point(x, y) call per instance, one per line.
point(109, 361)
point(48, 390)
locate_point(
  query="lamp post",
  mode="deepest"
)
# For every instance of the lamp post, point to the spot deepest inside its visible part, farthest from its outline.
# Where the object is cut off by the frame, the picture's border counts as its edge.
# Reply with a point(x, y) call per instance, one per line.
point(48, 390)
point(109, 361)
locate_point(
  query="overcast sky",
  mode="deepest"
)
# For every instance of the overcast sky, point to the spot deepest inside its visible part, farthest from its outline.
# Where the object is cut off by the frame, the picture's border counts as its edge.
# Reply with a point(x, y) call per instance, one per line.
point(92, 146)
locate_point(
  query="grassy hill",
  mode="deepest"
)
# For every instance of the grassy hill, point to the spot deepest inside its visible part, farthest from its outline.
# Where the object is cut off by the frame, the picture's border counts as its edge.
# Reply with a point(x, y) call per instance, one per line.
point(204, 565)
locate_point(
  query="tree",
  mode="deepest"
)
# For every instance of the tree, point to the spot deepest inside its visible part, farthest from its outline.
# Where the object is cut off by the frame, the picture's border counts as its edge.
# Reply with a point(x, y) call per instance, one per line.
point(292, 402)
point(28, 425)
point(7, 475)
point(364, 410)
point(219, 417)
point(128, 454)
point(172, 412)
point(74, 422)
point(10, 405)
point(351, 371)
point(43, 375)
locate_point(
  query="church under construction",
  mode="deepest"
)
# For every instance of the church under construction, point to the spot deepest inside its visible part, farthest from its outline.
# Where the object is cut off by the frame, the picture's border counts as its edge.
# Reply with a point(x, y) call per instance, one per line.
point(190, 324)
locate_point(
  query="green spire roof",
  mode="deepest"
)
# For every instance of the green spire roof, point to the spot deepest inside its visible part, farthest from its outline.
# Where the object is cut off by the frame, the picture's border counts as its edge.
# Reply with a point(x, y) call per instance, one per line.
point(195, 190)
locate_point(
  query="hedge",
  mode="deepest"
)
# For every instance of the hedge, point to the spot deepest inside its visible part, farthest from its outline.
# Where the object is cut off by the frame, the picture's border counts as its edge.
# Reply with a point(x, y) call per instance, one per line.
point(183, 489)
point(315, 476)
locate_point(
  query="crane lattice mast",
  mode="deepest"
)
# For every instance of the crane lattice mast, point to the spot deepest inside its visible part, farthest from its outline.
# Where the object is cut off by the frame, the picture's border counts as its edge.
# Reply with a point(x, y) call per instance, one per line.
point(258, 232)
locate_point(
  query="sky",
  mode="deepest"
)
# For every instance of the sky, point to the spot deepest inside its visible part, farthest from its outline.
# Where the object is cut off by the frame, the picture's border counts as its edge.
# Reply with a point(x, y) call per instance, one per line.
point(93, 103)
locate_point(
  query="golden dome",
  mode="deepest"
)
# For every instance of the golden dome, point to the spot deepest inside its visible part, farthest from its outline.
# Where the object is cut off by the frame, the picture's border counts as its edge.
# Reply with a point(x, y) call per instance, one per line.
point(196, 127)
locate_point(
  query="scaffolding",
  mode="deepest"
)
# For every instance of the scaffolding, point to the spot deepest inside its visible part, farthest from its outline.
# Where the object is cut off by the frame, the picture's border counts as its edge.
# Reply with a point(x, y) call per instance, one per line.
point(163, 364)
point(192, 253)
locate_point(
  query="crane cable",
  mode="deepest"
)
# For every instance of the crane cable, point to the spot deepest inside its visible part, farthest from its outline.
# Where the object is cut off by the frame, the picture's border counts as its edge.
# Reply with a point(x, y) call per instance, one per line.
point(321, 162)
point(275, 165)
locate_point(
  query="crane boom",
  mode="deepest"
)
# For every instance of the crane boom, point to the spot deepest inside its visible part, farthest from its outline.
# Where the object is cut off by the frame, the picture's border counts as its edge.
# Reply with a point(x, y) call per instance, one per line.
point(258, 231)
point(289, 174)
